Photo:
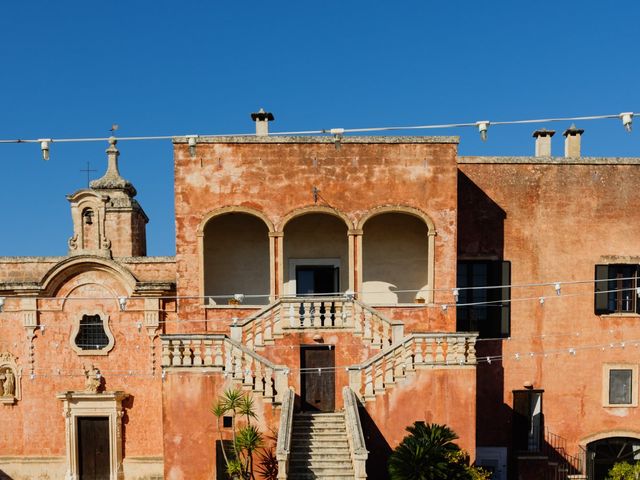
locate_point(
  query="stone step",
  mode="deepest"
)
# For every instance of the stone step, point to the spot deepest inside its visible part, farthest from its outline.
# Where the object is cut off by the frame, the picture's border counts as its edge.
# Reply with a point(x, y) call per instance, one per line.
point(321, 473)
point(313, 476)
point(320, 430)
point(325, 452)
point(335, 458)
point(313, 464)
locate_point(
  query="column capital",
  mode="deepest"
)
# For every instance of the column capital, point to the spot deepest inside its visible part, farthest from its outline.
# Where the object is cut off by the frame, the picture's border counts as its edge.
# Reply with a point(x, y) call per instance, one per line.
point(355, 231)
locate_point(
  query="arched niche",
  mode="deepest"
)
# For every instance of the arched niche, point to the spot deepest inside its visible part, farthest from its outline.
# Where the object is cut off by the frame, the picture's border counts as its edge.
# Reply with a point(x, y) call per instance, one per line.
point(397, 257)
point(315, 254)
point(235, 258)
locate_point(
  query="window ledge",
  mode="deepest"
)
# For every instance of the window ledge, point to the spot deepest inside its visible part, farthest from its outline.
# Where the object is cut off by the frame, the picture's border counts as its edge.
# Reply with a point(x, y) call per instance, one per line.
point(620, 405)
point(620, 315)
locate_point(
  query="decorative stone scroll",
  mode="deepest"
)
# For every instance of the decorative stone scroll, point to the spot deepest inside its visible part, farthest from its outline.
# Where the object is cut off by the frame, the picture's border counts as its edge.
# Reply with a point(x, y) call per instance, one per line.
point(9, 379)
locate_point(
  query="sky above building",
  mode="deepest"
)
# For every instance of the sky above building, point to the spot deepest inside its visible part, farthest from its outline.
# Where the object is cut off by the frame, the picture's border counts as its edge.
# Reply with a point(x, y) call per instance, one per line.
point(72, 69)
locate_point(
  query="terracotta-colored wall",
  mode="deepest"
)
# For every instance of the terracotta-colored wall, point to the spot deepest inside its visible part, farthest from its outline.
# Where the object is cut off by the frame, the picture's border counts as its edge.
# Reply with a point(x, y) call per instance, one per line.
point(553, 222)
point(34, 426)
point(277, 176)
point(190, 431)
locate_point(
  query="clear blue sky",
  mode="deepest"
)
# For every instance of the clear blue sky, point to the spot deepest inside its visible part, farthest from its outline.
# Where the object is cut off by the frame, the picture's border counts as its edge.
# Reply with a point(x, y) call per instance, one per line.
point(72, 68)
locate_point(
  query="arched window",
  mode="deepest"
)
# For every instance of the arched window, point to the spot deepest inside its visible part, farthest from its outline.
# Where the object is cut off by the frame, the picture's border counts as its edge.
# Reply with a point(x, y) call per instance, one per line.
point(91, 333)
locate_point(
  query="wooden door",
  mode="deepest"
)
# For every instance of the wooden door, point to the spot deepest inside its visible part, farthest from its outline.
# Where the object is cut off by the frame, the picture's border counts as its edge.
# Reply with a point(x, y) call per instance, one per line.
point(93, 448)
point(318, 387)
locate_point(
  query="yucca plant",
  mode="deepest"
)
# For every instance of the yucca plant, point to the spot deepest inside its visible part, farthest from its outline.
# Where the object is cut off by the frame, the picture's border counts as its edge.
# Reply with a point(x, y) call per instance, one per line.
point(247, 439)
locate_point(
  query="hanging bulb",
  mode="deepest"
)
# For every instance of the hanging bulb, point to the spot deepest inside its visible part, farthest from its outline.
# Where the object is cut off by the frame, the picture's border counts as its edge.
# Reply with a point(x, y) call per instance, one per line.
point(483, 126)
point(192, 140)
point(44, 146)
point(456, 294)
point(557, 287)
point(627, 120)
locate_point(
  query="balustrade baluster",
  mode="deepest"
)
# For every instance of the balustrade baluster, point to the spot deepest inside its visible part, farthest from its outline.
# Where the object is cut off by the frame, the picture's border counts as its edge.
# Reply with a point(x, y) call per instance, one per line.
point(368, 383)
point(314, 319)
point(208, 352)
point(277, 319)
point(333, 315)
point(258, 385)
point(471, 350)
point(268, 328)
point(367, 325)
point(258, 332)
point(228, 359)
point(439, 350)
point(176, 361)
point(237, 363)
point(386, 334)
point(409, 357)
point(218, 355)
point(292, 316)
point(166, 352)
point(268, 385)
point(388, 370)
point(197, 352)
point(418, 356)
point(248, 373)
point(428, 355)
point(399, 361)
point(356, 310)
point(379, 372)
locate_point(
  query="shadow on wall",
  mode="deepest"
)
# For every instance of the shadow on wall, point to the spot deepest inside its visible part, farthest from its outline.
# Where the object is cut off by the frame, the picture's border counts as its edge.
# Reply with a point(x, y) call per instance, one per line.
point(379, 449)
point(480, 222)
point(4, 476)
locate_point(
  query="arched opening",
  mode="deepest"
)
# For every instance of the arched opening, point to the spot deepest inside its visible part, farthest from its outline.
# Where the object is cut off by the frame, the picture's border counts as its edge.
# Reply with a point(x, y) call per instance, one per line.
point(236, 259)
point(89, 230)
point(395, 259)
point(604, 453)
point(316, 255)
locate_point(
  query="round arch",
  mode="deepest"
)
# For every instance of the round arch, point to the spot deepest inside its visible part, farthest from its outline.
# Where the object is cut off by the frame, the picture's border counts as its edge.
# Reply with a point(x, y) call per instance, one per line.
point(398, 209)
point(314, 209)
point(62, 271)
point(609, 434)
point(233, 209)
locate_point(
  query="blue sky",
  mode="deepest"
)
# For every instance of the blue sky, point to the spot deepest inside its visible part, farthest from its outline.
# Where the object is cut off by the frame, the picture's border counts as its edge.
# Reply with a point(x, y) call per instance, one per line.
point(72, 68)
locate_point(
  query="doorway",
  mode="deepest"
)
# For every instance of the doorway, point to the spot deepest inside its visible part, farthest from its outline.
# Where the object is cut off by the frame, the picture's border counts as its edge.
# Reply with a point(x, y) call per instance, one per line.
point(93, 448)
point(317, 279)
point(603, 454)
point(317, 378)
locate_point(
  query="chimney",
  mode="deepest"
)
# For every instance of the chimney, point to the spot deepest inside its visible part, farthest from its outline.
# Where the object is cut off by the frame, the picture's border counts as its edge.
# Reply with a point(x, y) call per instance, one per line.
point(543, 142)
point(572, 141)
point(262, 120)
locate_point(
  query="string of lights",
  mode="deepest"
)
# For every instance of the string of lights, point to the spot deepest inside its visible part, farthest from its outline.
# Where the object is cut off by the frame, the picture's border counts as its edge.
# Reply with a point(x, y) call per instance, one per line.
point(483, 126)
point(240, 297)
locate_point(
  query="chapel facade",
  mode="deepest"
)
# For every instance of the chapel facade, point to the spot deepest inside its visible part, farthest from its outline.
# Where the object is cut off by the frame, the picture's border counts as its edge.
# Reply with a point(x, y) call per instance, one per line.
point(351, 286)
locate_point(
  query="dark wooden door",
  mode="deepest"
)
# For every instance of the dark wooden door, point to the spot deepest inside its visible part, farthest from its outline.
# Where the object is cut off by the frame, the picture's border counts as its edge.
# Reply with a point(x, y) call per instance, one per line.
point(318, 386)
point(93, 448)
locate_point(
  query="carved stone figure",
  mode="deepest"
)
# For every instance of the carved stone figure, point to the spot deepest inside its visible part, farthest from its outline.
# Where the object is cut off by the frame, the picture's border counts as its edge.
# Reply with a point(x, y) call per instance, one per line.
point(92, 379)
point(9, 384)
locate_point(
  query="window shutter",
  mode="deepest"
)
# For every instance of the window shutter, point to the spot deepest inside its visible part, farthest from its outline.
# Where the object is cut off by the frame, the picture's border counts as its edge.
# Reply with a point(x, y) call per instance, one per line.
point(505, 314)
point(601, 286)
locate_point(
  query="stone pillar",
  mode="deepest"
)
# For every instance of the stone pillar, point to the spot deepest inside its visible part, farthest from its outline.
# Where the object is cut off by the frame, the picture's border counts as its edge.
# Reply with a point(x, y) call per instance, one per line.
point(355, 261)
point(275, 262)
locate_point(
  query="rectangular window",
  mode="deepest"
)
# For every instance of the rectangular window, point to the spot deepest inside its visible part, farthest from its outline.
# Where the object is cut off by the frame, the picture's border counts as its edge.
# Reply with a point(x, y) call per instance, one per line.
point(619, 382)
point(615, 289)
point(528, 420)
point(491, 314)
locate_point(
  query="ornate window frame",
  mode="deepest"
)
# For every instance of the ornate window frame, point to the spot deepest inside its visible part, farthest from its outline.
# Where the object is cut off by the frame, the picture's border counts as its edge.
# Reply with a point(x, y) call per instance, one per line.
point(76, 329)
point(88, 404)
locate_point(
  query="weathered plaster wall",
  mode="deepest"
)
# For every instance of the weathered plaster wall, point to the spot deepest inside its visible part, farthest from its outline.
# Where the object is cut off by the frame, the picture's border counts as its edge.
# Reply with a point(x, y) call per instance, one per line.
point(554, 221)
point(276, 177)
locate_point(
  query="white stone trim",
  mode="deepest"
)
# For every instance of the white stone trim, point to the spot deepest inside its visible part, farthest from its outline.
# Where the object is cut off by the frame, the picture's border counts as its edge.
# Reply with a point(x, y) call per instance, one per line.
point(85, 404)
point(606, 368)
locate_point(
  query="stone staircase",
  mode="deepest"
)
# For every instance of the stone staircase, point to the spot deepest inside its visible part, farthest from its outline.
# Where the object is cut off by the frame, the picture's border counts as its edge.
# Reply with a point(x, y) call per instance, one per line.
point(319, 447)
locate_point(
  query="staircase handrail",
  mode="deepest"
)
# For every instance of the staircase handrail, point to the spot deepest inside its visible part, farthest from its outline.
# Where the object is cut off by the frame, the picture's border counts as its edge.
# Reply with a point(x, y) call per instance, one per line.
point(283, 446)
point(355, 435)
point(258, 314)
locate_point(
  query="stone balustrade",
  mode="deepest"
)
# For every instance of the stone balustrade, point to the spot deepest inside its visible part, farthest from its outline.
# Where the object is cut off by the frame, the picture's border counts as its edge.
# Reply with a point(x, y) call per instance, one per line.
point(217, 352)
point(283, 446)
point(295, 313)
point(416, 351)
point(355, 435)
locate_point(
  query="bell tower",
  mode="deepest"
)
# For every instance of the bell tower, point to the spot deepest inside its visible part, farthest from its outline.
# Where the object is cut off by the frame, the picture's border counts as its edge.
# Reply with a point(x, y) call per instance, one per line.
point(107, 220)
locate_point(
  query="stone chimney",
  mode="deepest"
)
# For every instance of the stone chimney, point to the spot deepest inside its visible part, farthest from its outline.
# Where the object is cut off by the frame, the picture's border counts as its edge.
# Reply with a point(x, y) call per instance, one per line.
point(262, 120)
point(543, 142)
point(572, 141)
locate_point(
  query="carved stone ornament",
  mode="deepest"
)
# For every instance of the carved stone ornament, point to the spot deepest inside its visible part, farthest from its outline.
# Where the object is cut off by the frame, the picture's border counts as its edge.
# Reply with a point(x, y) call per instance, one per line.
point(93, 379)
point(9, 379)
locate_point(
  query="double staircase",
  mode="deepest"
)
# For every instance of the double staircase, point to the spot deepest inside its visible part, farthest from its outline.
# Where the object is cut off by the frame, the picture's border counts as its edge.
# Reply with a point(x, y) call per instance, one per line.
point(320, 447)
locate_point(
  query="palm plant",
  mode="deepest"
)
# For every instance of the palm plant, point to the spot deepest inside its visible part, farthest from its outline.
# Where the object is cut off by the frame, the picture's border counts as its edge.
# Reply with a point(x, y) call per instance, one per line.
point(246, 437)
point(427, 453)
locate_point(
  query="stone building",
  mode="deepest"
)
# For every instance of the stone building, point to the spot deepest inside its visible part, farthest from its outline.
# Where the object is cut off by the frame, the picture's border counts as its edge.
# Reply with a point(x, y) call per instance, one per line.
point(342, 282)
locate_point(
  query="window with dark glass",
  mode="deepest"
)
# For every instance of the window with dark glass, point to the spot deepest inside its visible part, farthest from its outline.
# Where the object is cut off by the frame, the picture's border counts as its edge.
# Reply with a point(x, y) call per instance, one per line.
point(528, 420)
point(481, 309)
point(620, 386)
point(615, 289)
point(91, 334)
